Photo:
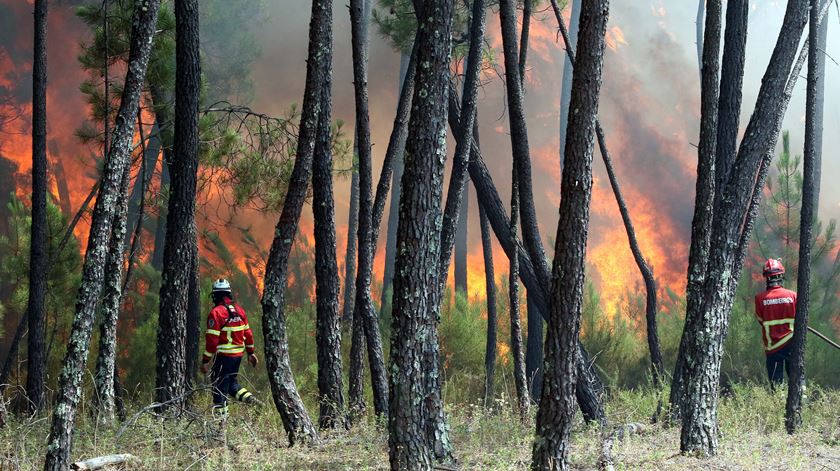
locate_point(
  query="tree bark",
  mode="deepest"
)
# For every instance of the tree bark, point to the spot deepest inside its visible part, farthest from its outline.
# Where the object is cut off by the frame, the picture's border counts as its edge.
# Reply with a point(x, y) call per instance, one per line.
point(370, 321)
point(557, 405)
point(704, 196)
point(436, 426)
point(295, 418)
point(193, 319)
point(520, 382)
point(38, 263)
point(352, 232)
point(534, 351)
point(111, 303)
point(731, 85)
point(180, 238)
point(796, 381)
point(698, 27)
point(414, 352)
point(819, 107)
point(394, 209)
point(70, 379)
point(733, 223)
point(566, 88)
point(327, 329)
point(490, 281)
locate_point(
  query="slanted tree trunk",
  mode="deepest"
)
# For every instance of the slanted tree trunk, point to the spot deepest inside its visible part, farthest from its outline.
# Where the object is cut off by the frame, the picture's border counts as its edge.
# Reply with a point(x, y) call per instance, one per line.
point(698, 28)
point(590, 390)
point(490, 281)
point(796, 382)
point(105, 404)
point(566, 87)
point(534, 350)
point(557, 405)
point(364, 304)
point(414, 352)
point(393, 211)
point(327, 328)
point(38, 263)
point(522, 398)
point(180, 238)
point(70, 380)
point(732, 225)
point(295, 418)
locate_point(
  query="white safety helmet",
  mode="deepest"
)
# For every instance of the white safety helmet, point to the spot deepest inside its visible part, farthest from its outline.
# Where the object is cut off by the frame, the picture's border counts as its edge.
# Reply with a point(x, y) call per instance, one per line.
point(221, 286)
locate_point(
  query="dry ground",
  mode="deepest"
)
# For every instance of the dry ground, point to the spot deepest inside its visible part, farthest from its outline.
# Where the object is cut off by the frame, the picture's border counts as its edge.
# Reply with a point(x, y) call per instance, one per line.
point(752, 438)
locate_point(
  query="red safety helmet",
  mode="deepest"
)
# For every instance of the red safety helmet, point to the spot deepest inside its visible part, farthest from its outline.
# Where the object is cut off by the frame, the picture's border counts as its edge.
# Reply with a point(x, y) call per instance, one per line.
point(773, 267)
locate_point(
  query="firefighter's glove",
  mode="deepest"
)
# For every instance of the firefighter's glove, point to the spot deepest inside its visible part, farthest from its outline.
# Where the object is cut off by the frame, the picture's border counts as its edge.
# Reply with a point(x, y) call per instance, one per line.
point(253, 360)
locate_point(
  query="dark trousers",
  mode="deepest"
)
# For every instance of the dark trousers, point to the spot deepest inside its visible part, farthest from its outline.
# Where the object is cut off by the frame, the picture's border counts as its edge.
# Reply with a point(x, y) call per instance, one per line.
point(223, 375)
point(778, 363)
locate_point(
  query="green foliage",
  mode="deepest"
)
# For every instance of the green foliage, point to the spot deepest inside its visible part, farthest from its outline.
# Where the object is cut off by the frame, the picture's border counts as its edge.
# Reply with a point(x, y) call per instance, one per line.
point(62, 280)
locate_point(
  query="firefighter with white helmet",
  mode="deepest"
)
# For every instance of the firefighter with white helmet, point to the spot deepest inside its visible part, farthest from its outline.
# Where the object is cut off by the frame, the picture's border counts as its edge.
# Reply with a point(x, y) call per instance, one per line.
point(228, 338)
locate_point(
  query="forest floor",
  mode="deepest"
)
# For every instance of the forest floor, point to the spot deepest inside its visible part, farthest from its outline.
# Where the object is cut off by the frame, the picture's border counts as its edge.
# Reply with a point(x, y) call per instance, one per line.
point(751, 422)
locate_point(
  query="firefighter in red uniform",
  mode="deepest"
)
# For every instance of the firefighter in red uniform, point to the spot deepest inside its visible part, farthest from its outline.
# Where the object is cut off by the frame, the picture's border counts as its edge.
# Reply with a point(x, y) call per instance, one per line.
point(227, 338)
point(775, 309)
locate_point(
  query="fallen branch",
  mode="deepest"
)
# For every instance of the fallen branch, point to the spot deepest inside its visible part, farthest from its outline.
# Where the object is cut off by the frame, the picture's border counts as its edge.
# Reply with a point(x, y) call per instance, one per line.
point(103, 461)
point(605, 461)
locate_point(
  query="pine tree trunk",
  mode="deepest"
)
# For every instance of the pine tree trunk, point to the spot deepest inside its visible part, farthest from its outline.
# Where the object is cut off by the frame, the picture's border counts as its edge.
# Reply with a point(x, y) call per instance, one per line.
point(566, 89)
point(356, 378)
point(180, 238)
point(163, 116)
point(193, 318)
point(437, 429)
point(38, 263)
point(393, 211)
point(519, 139)
point(731, 85)
point(461, 248)
point(414, 352)
point(704, 195)
point(111, 303)
point(152, 149)
point(557, 404)
point(707, 332)
point(327, 328)
point(61, 185)
point(295, 418)
point(352, 233)
point(70, 379)
point(589, 389)
point(534, 350)
point(819, 107)
point(522, 398)
point(370, 321)
point(796, 381)
point(490, 281)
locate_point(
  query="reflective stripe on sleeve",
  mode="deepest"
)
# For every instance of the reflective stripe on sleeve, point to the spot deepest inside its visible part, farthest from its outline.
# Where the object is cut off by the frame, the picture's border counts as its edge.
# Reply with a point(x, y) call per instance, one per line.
point(213, 332)
point(208, 354)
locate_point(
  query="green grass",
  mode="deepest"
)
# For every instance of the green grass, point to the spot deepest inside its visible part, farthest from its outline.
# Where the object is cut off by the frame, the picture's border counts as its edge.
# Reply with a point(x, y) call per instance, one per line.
point(751, 426)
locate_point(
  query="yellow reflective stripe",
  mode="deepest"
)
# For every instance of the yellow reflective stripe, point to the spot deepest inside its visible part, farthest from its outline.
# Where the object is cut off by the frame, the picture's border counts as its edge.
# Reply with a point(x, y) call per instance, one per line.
point(773, 345)
point(207, 354)
point(213, 332)
point(249, 346)
point(231, 349)
point(237, 328)
point(241, 393)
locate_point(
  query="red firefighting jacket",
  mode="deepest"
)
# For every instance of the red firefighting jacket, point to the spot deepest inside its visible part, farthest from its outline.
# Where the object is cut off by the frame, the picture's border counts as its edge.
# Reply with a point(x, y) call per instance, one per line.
point(775, 310)
point(228, 332)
